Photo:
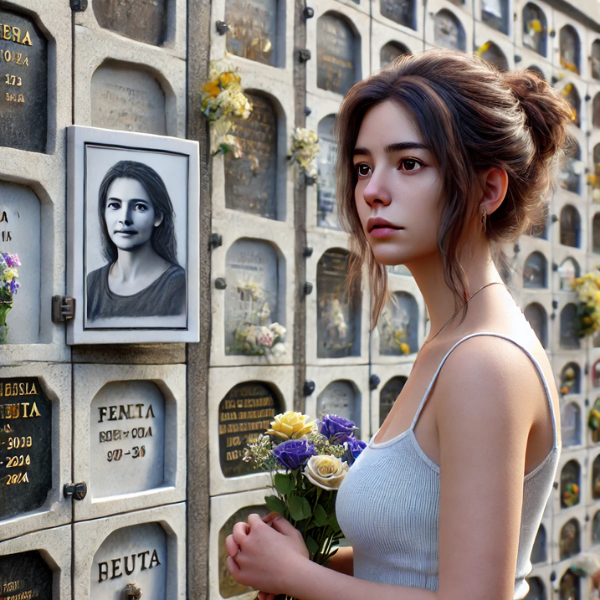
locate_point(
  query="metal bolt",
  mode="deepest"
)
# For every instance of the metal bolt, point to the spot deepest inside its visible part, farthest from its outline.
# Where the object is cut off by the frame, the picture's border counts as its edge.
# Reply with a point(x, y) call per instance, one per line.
point(308, 388)
point(304, 55)
point(222, 27)
point(374, 382)
point(220, 283)
point(215, 240)
point(308, 288)
point(307, 111)
point(308, 251)
point(77, 490)
point(309, 12)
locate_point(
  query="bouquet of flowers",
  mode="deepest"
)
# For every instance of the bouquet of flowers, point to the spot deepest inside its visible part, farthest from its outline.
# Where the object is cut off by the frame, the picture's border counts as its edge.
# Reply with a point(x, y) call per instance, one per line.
point(8, 288)
point(307, 461)
point(304, 151)
point(588, 289)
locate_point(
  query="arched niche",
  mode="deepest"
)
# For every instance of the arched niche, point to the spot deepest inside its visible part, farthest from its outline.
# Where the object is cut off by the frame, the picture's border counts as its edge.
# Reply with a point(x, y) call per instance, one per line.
point(596, 59)
point(251, 180)
point(596, 374)
point(570, 484)
point(536, 70)
point(337, 52)
point(539, 552)
point(570, 425)
point(535, 30)
point(538, 319)
point(570, 175)
point(449, 31)
point(534, 272)
point(390, 52)
point(596, 528)
point(596, 112)
point(569, 326)
point(326, 180)
point(252, 32)
point(571, 95)
point(388, 395)
point(245, 412)
point(493, 54)
point(570, 226)
point(338, 311)
point(228, 586)
point(399, 326)
point(495, 14)
point(537, 590)
point(252, 297)
point(26, 571)
point(596, 478)
point(570, 378)
point(596, 233)
point(567, 272)
point(570, 49)
point(340, 398)
point(596, 407)
point(569, 542)
point(569, 587)
point(400, 11)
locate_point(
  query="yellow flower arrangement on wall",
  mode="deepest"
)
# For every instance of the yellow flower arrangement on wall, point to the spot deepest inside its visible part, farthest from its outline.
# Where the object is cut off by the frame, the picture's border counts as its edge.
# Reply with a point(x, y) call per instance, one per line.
point(305, 150)
point(588, 289)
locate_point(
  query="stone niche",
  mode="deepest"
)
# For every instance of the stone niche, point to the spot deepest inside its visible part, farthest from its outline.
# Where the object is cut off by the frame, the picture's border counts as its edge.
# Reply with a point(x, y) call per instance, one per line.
point(398, 326)
point(142, 20)
point(570, 49)
point(253, 29)
point(495, 14)
point(128, 99)
point(251, 296)
point(569, 338)
point(570, 426)
point(24, 94)
point(388, 395)
point(569, 587)
point(494, 55)
point(20, 233)
point(25, 575)
point(399, 11)
point(448, 31)
point(25, 446)
point(539, 553)
point(340, 398)
point(537, 591)
point(246, 411)
point(326, 181)
point(389, 53)
point(534, 272)
point(136, 553)
point(569, 543)
point(251, 180)
point(538, 319)
point(535, 32)
point(127, 439)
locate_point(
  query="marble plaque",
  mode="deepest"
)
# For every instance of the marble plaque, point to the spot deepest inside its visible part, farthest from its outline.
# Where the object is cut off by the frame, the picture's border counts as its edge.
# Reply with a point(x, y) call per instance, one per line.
point(339, 398)
point(127, 438)
point(539, 552)
point(251, 296)
point(228, 586)
point(142, 20)
point(388, 395)
point(569, 543)
point(399, 11)
point(336, 54)
point(596, 233)
point(399, 326)
point(246, 411)
point(570, 475)
point(534, 272)
point(252, 29)
point(127, 99)
point(20, 233)
point(569, 338)
point(25, 446)
point(536, 315)
point(24, 94)
point(596, 59)
point(251, 180)
point(495, 14)
point(326, 181)
point(570, 226)
point(570, 425)
point(448, 31)
point(570, 587)
point(569, 49)
point(25, 575)
point(535, 32)
point(338, 315)
point(537, 591)
point(496, 57)
point(567, 272)
point(390, 52)
point(137, 553)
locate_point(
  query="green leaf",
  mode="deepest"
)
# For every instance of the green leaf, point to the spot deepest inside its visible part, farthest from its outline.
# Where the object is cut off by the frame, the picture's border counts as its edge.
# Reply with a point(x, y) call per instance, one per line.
point(320, 516)
point(333, 523)
point(284, 484)
point(299, 508)
point(312, 545)
point(275, 504)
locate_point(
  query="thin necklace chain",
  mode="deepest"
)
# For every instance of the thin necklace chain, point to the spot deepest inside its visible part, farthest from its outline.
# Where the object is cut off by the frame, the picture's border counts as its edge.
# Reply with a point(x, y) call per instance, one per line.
point(458, 310)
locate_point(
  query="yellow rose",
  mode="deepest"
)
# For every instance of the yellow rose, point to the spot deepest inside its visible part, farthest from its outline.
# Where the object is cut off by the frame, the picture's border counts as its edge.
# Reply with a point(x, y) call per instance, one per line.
point(405, 348)
point(291, 425)
point(326, 471)
point(212, 88)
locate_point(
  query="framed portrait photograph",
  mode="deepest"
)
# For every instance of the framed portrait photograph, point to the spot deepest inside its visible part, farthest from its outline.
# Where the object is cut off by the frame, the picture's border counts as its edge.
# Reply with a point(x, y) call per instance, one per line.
point(133, 252)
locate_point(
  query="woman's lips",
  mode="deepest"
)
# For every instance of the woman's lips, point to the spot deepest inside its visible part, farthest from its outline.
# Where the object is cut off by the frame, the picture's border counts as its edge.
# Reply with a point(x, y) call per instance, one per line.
point(384, 231)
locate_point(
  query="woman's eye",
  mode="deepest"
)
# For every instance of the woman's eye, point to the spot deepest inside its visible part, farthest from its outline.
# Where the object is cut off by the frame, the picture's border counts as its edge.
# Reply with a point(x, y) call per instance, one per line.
point(141, 207)
point(114, 205)
point(363, 170)
point(410, 164)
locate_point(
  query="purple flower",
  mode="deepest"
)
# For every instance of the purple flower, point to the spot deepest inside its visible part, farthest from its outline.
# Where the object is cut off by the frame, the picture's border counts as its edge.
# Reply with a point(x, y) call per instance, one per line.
point(335, 426)
point(354, 448)
point(294, 453)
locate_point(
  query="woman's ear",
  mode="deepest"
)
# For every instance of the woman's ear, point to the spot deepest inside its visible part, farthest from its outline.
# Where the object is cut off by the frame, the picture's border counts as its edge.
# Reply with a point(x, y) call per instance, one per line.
point(494, 183)
point(158, 219)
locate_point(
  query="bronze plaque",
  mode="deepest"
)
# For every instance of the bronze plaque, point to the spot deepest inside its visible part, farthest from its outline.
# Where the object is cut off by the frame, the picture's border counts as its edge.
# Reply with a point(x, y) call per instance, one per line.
point(251, 180)
point(142, 20)
point(336, 49)
point(24, 94)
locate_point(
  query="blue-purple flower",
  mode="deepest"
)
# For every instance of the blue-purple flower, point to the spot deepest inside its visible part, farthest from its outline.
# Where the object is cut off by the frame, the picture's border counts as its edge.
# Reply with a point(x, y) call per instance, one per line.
point(354, 448)
point(293, 454)
point(334, 426)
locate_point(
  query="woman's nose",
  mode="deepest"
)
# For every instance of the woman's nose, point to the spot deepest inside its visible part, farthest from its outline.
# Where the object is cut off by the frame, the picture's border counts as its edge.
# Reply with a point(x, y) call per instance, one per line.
point(377, 190)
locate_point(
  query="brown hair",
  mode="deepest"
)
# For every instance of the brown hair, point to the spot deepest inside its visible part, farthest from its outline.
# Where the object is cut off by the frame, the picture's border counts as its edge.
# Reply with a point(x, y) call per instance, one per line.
point(473, 117)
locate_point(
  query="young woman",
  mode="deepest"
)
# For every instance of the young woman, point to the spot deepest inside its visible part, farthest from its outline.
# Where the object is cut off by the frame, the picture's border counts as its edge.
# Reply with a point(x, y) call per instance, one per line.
point(142, 277)
point(442, 159)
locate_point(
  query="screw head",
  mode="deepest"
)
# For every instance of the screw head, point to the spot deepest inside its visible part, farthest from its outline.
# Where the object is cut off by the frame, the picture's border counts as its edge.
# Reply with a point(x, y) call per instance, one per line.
point(220, 283)
point(308, 388)
point(374, 382)
point(309, 12)
point(304, 55)
point(222, 27)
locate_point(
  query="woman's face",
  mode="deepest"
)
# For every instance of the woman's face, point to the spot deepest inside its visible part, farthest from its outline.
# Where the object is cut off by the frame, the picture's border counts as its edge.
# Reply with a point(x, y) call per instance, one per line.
point(398, 186)
point(129, 214)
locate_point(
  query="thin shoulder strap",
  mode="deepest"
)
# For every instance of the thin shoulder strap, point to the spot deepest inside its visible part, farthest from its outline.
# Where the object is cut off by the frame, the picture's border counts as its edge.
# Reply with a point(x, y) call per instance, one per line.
point(535, 362)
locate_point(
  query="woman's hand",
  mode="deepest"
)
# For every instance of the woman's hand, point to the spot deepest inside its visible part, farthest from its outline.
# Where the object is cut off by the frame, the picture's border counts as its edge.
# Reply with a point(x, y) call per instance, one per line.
point(262, 551)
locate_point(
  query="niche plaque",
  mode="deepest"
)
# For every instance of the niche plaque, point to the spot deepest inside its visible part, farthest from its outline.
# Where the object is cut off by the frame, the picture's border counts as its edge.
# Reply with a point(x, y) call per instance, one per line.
point(25, 575)
point(326, 181)
point(137, 553)
point(127, 438)
point(399, 11)
point(390, 52)
point(448, 31)
point(246, 411)
point(388, 395)
point(339, 398)
point(399, 326)
point(24, 93)
point(335, 54)
point(25, 446)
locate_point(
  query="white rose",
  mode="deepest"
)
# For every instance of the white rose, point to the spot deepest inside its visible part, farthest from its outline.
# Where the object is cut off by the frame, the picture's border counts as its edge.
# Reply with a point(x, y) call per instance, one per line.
point(278, 349)
point(326, 471)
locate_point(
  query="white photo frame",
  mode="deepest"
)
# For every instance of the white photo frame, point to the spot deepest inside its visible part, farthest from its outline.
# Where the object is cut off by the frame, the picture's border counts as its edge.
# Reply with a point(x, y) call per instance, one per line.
point(132, 237)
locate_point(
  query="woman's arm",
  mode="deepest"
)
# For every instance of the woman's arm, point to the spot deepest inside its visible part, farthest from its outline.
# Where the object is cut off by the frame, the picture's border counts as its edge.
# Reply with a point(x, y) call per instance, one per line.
point(342, 561)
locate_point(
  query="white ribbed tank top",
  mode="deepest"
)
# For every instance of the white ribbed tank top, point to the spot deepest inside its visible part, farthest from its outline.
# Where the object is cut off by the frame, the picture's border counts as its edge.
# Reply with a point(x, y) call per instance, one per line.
point(388, 505)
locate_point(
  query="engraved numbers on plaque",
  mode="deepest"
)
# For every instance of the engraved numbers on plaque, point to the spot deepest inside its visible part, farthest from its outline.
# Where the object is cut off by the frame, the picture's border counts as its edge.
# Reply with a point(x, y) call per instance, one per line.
point(25, 446)
point(127, 431)
point(24, 79)
point(326, 181)
point(127, 99)
point(136, 553)
point(251, 180)
point(336, 54)
point(246, 411)
point(25, 575)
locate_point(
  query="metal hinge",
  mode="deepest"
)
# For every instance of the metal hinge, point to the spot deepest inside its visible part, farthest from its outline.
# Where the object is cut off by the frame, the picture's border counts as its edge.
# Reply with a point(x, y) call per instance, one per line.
point(79, 5)
point(63, 308)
